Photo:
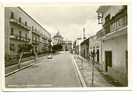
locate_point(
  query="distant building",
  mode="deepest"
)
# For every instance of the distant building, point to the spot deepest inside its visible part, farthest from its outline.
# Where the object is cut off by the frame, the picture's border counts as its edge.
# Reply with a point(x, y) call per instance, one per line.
point(67, 45)
point(57, 39)
point(114, 41)
point(76, 46)
point(20, 30)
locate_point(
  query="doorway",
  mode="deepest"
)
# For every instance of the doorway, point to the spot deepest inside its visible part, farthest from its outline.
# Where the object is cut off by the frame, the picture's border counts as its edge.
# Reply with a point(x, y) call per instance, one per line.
point(98, 55)
point(108, 60)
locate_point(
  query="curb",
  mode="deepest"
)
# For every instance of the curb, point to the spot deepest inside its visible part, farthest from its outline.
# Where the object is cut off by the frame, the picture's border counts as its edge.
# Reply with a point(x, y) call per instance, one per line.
point(79, 73)
point(6, 75)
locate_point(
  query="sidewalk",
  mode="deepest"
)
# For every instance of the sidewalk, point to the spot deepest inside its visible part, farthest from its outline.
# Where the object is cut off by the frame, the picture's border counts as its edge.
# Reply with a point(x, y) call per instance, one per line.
point(14, 68)
point(85, 67)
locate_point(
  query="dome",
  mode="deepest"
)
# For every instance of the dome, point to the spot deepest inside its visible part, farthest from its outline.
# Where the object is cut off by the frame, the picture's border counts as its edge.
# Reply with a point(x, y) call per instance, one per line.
point(58, 35)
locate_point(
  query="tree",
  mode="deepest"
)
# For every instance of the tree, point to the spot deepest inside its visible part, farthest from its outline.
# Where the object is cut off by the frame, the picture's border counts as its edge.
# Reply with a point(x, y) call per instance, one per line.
point(57, 47)
point(23, 48)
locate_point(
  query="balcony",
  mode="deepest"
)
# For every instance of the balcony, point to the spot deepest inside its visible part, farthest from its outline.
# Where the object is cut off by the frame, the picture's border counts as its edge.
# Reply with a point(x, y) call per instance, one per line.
point(35, 32)
point(15, 21)
point(116, 33)
point(35, 42)
point(19, 38)
point(12, 37)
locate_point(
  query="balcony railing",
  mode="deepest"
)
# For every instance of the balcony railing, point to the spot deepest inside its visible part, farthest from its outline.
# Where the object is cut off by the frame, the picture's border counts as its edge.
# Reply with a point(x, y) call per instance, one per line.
point(20, 38)
point(35, 31)
point(116, 22)
point(115, 25)
point(12, 36)
point(15, 21)
point(35, 42)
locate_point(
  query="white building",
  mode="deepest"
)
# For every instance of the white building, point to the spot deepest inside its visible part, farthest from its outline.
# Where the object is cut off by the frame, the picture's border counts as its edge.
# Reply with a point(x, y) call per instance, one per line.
point(20, 30)
point(114, 41)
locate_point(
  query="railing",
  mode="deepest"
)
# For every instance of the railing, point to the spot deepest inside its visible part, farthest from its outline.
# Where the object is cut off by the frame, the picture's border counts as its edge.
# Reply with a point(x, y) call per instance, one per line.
point(35, 31)
point(116, 25)
point(36, 42)
point(116, 22)
point(21, 38)
point(15, 21)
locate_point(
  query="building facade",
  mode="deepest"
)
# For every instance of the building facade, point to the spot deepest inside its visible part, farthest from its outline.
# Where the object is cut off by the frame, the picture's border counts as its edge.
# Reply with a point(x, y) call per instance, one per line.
point(92, 43)
point(114, 41)
point(85, 48)
point(99, 46)
point(67, 46)
point(57, 39)
point(21, 30)
point(76, 46)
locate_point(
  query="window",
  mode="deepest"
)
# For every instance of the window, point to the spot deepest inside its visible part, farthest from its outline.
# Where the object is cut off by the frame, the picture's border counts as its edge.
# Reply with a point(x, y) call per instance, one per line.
point(107, 24)
point(20, 34)
point(20, 19)
point(12, 47)
point(12, 15)
point(35, 38)
point(26, 36)
point(32, 27)
point(100, 18)
point(12, 31)
point(25, 23)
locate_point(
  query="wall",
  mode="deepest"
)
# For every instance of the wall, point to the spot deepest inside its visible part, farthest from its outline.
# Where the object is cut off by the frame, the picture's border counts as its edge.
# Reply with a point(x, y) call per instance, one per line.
point(118, 46)
point(92, 43)
point(85, 49)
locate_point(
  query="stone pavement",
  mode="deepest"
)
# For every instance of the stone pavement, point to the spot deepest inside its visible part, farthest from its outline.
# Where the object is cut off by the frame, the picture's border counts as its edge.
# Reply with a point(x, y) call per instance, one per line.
point(85, 68)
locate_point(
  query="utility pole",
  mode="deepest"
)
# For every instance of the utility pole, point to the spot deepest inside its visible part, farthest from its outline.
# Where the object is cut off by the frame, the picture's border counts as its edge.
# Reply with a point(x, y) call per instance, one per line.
point(35, 54)
point(93, 65)
point(20, 58)
point(84, 34)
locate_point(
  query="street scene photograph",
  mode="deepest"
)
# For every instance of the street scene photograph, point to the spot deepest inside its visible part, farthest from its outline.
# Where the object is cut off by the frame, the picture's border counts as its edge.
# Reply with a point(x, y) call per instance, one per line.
point(66, 46)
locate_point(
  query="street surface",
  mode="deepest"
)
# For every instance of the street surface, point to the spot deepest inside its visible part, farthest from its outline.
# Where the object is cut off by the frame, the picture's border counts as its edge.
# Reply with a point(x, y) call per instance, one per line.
point(56, 72)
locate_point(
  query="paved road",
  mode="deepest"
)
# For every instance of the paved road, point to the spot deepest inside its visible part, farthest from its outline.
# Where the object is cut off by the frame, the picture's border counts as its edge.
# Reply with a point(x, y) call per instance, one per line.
point(57, 72)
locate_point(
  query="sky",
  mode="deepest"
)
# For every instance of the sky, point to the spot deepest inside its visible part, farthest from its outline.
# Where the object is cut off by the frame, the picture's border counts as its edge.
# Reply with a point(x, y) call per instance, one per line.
point(69, 20)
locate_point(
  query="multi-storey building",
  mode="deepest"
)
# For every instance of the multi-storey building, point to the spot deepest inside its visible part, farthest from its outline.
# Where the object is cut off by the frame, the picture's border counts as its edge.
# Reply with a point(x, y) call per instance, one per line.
point(20, 30)
point(114, 41)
